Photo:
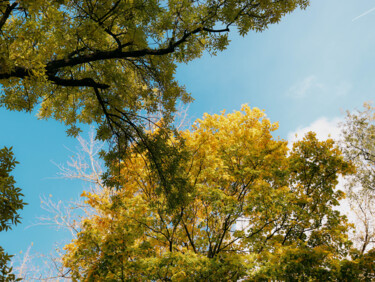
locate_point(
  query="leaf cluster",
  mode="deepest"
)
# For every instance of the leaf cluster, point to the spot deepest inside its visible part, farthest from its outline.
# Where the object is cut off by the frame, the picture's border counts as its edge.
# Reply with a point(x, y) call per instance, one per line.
point(10, 196)
point(10, 204)
point(6, 274)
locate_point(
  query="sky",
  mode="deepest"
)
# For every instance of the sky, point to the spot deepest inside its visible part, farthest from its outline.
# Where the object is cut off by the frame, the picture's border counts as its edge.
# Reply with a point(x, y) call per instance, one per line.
point(305, 72)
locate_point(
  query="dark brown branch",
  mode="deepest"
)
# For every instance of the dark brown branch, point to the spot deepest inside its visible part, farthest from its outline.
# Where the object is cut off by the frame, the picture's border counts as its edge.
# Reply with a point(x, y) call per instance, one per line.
point(18, 72)
point(216, 30)
point(84, 82)
point(21, 72)
point(189, 237)
point(7, 13)
point(119, 54)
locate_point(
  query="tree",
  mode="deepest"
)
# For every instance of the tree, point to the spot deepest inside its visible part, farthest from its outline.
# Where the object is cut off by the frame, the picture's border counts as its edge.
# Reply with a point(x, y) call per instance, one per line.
point(10, 204)
point(359, 147)
point(112, 62)
point(252, 210)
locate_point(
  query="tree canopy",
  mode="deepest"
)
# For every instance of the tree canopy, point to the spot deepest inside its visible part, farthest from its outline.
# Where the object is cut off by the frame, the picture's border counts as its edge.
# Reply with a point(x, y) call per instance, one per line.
point(113, 61)
point(253, 210)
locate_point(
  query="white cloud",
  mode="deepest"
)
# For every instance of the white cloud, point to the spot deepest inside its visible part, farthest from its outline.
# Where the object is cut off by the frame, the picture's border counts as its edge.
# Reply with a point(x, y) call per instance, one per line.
point(304, 87)
point(323, 127)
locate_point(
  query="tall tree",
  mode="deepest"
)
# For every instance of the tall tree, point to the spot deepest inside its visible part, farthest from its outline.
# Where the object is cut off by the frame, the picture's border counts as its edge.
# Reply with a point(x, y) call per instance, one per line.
point(252, 209)
point(10, 204)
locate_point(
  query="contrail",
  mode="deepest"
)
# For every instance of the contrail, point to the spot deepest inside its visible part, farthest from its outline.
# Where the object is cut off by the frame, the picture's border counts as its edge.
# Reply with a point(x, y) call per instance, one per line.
point(364, 14)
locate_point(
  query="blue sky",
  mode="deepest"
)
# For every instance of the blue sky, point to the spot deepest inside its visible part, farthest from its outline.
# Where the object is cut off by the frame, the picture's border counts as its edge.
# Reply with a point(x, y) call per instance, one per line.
point(312, 64)
point(311, 67)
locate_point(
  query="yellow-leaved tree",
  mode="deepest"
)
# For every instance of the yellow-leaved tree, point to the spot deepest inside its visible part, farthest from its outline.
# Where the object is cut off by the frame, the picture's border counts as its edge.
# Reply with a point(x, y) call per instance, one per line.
point(251, 209)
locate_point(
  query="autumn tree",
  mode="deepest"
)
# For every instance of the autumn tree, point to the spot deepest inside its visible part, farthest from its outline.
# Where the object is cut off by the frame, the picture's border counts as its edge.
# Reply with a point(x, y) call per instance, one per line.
point(10, 204)
point(252, 210)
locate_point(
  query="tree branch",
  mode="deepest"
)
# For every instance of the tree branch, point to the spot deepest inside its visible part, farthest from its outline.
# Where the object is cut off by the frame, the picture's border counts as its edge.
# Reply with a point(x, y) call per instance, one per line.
point(19, 72)
point(84, 82)
point(7, 13)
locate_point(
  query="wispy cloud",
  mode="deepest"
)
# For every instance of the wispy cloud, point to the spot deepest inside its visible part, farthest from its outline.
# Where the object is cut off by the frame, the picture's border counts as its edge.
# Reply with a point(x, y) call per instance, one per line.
point(305, 87)
point(364, 14)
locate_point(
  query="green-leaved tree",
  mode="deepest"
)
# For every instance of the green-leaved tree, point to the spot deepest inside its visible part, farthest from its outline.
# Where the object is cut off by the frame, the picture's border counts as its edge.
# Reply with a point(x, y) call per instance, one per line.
point(112, 62)
point(10, 204)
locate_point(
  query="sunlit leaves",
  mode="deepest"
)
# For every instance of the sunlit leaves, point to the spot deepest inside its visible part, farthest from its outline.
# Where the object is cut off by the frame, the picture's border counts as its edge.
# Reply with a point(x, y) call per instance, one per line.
point(61, 50)
point(252, 210)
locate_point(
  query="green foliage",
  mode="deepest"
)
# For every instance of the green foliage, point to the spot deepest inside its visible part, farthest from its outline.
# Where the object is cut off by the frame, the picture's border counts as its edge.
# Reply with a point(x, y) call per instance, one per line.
point(361, 268)
point(10, 204)
point(110, 61)
point(5, 271)
point(10, 196)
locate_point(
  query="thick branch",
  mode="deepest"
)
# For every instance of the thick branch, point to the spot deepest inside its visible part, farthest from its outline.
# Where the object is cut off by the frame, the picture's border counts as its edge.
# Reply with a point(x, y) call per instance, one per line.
point(119, 54)
point(7, 13)
point(84, 82)
point(18, 72)
point(21, 72)
point(216, 30)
